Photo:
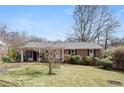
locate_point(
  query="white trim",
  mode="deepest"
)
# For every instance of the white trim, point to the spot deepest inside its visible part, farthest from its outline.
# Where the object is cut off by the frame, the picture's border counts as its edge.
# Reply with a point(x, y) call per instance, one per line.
point(62, 54)
point(30, 59)
point(22, 56)
point(71, 51)
point(39, 55)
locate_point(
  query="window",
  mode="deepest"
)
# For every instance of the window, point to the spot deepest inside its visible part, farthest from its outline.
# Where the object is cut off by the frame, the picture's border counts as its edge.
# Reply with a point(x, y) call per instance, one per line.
point(91, 51)
point(30, 54)
point(72, 52)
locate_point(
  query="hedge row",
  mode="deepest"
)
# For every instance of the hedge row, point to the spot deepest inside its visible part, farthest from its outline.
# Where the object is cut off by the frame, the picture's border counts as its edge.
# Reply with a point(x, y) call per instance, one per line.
point(118, 57)
point(105, 63)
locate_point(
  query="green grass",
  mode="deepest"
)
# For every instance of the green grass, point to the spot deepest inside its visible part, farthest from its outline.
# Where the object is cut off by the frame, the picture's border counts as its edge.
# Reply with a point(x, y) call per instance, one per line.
point(67, 75)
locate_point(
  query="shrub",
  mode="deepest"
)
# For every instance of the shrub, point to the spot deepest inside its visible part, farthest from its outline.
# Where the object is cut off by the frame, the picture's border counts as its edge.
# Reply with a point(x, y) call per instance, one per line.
point(76, 59)
point(67, 58)
point(7, 59)
point(107, 52)
point(96, 58)
point(87, 60)
point(118, 57)
point(18, 58)
point(105, 63)
point(109, 57)
point(94, 61)
point(11, 53)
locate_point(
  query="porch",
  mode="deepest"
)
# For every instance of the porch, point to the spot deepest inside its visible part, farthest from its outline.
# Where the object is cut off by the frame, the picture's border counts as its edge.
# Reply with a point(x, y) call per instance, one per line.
point(38, 55)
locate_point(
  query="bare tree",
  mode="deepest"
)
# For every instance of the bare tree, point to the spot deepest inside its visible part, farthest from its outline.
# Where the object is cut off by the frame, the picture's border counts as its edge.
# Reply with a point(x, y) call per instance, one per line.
point(17, 38)
point(3, 31)
point(116, 41)
point(50, 56)
point(91, 23)
point(58, 41)
point(110, 27)
point(36, 39)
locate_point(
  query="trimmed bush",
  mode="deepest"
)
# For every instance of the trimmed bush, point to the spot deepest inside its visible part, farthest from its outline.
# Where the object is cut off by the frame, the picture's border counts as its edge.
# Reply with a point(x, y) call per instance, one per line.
point(94, 61)
point(76, 59)
point(87, 60)
point(118, 57)
point(67, 58)
point(105, 63)
point(96, 58)
point(109, 57)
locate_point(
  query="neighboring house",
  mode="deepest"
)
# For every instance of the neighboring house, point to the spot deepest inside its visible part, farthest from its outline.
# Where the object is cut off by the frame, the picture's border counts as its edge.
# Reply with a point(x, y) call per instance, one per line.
point(3, 48)
point(31, 50)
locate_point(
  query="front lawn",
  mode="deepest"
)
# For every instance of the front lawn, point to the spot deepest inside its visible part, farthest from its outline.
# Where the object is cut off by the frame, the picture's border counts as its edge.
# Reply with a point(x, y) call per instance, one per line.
point(36, 74)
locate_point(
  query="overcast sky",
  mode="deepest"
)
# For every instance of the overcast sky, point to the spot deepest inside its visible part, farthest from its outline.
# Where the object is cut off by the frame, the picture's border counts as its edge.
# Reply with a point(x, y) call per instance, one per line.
point(51, 22)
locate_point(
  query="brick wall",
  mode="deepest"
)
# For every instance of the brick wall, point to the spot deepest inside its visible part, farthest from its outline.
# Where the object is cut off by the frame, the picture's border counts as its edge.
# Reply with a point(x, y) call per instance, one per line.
point(66, 51)
point(98, 52)
point(84, 52)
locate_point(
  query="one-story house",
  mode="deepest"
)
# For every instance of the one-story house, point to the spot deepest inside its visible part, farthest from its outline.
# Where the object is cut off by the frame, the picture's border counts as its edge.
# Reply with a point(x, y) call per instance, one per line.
point(32, 51)
point(3, 47)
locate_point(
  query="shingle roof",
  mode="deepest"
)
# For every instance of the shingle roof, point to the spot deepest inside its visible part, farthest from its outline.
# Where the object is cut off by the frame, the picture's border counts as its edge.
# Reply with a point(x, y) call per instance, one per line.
point(65, 45)
point(3, 42)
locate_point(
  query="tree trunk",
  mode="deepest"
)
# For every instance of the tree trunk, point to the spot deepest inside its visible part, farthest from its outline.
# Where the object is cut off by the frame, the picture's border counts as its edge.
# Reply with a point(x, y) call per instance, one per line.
point(98, 39)
point(106, 39)
point(50, 68)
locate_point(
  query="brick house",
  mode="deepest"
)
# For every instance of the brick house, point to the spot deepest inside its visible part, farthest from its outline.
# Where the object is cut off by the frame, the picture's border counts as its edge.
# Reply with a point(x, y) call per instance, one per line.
point(3, 48)
point(31, 50)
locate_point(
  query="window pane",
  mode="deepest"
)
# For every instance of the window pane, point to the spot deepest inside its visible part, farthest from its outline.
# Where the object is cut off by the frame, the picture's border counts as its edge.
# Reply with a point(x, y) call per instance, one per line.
point(91, 51)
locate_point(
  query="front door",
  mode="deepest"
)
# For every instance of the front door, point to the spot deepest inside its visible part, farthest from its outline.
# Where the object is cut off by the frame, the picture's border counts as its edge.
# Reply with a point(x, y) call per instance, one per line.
point(91, 53)
point(34, 56)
